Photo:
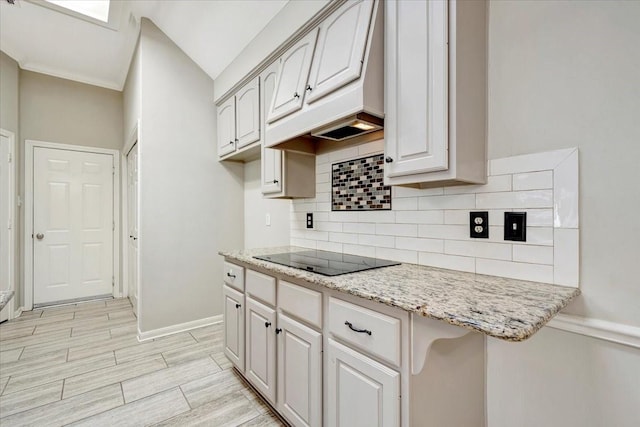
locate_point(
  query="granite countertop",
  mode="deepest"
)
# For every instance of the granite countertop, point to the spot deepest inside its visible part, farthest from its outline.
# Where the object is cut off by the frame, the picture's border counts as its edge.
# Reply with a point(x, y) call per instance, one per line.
point(5, 297)
point(508, 309)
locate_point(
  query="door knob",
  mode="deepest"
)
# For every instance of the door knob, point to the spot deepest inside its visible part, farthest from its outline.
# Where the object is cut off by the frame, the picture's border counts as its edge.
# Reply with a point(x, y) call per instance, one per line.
point(39, 236)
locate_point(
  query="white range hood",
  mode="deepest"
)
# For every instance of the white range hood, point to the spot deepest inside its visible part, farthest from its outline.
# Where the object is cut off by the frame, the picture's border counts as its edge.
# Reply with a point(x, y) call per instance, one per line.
point(330, 86)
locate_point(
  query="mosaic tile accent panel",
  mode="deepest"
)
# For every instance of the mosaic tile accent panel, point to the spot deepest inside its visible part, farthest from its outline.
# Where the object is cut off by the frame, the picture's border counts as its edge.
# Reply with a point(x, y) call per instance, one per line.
point(358, 185)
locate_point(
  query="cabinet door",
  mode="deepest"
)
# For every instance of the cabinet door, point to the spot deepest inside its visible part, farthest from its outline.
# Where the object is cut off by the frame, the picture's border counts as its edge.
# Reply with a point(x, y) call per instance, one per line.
point(299, 373)
point(227, 127)
point(416, 94)
point(293, 72)
point(362, 392)
point(271, 159)
point(261, 348)
point(248, 114)
point(234, 326)
point(341, 45)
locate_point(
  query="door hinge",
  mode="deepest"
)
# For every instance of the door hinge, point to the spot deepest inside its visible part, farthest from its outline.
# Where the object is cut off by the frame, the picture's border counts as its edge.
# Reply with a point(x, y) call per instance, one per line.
point(113, 170)
point(10, 158)
point(9, 225)
point(113, 281)
point(113, 226)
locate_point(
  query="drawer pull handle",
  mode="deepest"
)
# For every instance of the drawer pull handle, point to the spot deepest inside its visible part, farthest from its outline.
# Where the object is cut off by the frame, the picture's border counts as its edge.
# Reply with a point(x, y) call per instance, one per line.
point(238, 305)
point(278, 330)
point(231, 275)
point(361, 331)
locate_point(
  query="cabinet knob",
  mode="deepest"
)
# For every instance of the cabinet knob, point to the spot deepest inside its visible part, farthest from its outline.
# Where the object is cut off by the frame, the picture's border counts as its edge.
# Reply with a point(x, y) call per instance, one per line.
point(388, 160)
point(230, 142)
point(278, 330)
point(295, 95)
point(267, 324)
point(237, 140)
point(275, 181)
point(309, 88)
point(238, 305)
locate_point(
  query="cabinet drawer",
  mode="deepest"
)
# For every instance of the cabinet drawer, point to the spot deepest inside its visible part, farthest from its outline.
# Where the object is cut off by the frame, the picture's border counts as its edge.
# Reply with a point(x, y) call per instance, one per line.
point(261, 286)
point(379, 334)
point(301, 302)
point(233, 275)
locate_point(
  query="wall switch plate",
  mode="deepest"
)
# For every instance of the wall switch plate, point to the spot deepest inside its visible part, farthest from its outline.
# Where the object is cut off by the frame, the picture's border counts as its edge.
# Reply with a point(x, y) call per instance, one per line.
point(515, 226)
point(479, 225)
point(309, 220)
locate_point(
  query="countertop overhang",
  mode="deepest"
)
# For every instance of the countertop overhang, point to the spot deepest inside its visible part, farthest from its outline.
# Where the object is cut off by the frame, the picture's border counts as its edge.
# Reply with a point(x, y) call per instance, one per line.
point(508, 309)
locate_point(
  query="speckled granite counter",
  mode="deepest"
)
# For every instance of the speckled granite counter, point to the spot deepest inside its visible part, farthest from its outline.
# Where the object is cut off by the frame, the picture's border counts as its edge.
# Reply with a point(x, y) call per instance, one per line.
point(5, 297)
point(508, 309)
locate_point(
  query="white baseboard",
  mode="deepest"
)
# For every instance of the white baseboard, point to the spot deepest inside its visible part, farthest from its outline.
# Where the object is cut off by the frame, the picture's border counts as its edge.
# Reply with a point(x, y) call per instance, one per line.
point(182, 327)
point(18, 312)
point(601, 329)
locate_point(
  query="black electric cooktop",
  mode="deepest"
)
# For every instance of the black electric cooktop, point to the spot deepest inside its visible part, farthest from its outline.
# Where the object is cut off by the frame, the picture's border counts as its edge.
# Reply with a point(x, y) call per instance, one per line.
point(326, 263)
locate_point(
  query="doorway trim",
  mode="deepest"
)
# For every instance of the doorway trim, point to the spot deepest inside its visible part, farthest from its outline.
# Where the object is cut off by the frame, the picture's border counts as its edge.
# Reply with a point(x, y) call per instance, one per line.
point(30, 145)
point(133, 139)
point(13, 248)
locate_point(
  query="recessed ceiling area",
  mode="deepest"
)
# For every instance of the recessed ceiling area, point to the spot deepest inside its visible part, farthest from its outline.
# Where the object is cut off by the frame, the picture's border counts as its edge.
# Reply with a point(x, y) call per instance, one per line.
point(211, 32)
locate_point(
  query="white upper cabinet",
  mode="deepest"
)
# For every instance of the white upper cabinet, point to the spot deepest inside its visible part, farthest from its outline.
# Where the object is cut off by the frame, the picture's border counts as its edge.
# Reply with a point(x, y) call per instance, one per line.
point(227, 127)
point(435, 92)
point(293, 72)
point(271, 159)
point(248, 114)
point(341, 46)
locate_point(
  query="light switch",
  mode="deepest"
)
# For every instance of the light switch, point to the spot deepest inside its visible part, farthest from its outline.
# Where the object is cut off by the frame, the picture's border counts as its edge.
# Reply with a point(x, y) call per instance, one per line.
point(515, 226)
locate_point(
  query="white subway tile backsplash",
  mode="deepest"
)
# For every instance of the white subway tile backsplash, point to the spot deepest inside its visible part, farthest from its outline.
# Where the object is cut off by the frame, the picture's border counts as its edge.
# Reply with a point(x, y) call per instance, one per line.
point(515, 200)
point(431, 226)
point(532, 180)
point(369, 251)
point(419, 217)
point(459, 201)
point(360, 228)
point(533, 254)
point(406, 230)
point(451, 262)
point(515, 270)
point(421, 245)
point(494, 184)
point(566, 263)
point(478, 249)
point(399, 255)
point(375, 240)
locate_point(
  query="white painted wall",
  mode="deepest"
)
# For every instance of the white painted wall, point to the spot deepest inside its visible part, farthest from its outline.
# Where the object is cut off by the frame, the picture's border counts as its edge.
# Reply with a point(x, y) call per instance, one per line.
point(256, 233)
point(565, 74)
point(288, 20)
point(191, 206)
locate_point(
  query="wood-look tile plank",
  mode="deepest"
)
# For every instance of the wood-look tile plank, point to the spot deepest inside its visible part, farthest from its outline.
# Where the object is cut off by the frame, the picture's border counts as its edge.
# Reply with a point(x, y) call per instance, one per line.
point(128, 329)
point(105, 310)
point(122, 314)
point(35, 350)
point(84, 329)
point(42, 361)
point(10, 355)
point(49, 327)
point(256, 401)
point(30, 398)
point(111, 375)
point(230, 410)
point(153, 347)
point(37, 321)
point(61, 371)
point(212, 387)
point(190, 352)
point(167, 378)
point(69, 410)
point(101, 346)
point(74, 308)
point(3, 383)
point(26, 315)
point(147, 411)
point(118, 301)
point(35, 340)
point(266, 420)
point(209, 333)
point(7, 334)
point(222, 360)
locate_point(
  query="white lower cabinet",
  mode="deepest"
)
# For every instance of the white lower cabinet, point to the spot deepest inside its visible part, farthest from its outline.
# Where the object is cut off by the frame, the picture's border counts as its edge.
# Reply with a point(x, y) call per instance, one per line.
point(234, 326)
point(361, 391)
point(299, 373)
point(261, 348)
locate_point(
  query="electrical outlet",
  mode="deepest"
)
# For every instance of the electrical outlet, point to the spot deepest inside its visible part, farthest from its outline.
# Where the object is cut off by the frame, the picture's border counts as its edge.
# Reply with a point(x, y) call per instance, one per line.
point(309, 220)
point(515, 226)
point(479, 225)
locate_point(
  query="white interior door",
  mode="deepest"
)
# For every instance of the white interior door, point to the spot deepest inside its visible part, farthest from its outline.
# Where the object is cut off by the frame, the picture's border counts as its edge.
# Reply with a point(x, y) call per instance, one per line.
point(72, 225)
point(6, 258)
point(132, 224)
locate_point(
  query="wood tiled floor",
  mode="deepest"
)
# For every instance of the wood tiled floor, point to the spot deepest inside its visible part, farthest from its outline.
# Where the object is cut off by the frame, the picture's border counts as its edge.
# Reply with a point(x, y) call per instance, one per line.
point(82, 364)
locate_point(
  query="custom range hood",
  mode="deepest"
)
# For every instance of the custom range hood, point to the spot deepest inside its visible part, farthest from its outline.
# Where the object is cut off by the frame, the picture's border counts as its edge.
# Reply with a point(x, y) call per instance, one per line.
point(329, 89)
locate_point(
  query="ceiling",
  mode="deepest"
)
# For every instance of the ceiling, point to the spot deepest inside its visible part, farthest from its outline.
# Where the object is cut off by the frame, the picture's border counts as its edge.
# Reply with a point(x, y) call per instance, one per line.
point(211, 32)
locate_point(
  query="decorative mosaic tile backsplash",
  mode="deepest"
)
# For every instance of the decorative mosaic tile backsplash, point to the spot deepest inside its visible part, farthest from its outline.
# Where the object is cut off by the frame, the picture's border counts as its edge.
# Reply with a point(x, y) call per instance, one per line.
point(358, 185)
